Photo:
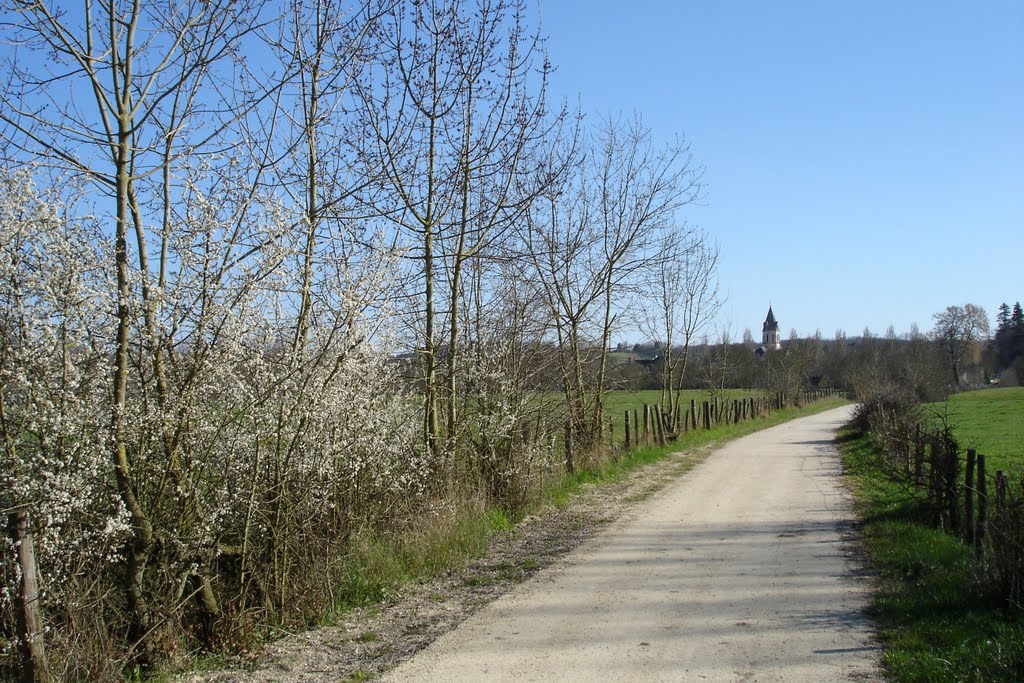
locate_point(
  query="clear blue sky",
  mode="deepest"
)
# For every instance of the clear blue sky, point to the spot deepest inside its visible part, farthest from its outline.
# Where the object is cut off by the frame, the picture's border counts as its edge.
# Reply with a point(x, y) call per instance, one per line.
point(864, 160)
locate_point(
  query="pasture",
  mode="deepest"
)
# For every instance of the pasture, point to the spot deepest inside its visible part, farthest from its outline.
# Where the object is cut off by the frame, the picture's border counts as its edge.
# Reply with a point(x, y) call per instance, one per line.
point(989, 420)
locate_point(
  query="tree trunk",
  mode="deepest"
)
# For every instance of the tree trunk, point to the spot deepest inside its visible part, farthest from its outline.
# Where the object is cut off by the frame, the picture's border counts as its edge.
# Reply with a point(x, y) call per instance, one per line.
point(35, 668)
point(142, 531)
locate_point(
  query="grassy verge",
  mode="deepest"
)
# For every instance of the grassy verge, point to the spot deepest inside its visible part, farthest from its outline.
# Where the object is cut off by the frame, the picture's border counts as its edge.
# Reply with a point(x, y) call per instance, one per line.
point(936, 620)
point(377, 566)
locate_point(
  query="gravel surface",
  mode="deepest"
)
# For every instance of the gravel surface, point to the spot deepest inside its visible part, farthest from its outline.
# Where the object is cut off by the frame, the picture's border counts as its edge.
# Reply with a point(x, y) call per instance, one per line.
point(740, 570)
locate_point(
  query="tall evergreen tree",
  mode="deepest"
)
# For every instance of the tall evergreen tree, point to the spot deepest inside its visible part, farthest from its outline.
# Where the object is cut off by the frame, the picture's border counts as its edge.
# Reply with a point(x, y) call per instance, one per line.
point(1017, 327)
point(1003, 318)
point(1009, 340)
point(1004, 338)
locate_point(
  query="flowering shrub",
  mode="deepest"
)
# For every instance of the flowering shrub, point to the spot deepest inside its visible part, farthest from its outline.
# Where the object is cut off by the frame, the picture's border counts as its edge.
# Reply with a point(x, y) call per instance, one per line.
point(54, 344)
point(506, 438)
point(255, 450)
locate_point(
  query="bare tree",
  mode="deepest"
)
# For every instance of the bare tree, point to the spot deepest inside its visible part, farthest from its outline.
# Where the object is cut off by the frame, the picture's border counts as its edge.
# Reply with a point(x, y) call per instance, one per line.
point(590, 242)
point(637, 190)
point(789, 368)
point(719, 366)
point(565, 271)
point(685, 291)
point(956, 330)
point(452, 111)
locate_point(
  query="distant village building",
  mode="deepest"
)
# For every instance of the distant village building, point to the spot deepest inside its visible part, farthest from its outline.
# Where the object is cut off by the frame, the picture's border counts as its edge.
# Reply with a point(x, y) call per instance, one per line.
point(771, 339)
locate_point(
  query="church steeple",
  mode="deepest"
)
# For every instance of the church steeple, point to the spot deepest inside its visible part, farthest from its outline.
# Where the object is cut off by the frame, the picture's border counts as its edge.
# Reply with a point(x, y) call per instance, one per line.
point(770, 337)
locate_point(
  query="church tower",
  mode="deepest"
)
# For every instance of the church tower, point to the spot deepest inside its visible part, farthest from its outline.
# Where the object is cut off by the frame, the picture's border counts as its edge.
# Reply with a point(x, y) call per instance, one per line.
point(770, 337)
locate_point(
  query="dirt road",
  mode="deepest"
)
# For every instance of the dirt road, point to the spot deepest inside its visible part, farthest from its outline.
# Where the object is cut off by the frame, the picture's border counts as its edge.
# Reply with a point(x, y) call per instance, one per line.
point(737, 572)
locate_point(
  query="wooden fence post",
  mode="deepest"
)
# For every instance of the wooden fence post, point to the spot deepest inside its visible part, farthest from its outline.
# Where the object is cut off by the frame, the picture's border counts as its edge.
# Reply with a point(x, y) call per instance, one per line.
point(1001, 484)
point(627, 430)
point(659, 425)
point(934, 481)
point(951, 487)
point(969, 498)
point(693, 413)
point(647, 425)
point(1000, 489)
point(979, 527)
point(636, 428)
point(570, 466)
point(30, 618)
point(918, 455)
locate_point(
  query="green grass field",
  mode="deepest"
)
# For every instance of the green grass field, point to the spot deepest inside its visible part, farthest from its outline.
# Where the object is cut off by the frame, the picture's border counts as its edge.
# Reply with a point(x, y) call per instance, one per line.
point(619, 401)
point(989, 420)
point(937, 618)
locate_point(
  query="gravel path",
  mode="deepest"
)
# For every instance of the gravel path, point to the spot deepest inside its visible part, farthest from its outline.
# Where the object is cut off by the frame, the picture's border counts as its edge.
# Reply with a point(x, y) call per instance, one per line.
point(738, 571)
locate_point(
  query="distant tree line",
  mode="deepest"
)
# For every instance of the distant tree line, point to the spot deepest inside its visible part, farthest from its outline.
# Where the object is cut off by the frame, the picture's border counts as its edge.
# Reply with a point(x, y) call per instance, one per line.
point(958, 353)
point(801, 364)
